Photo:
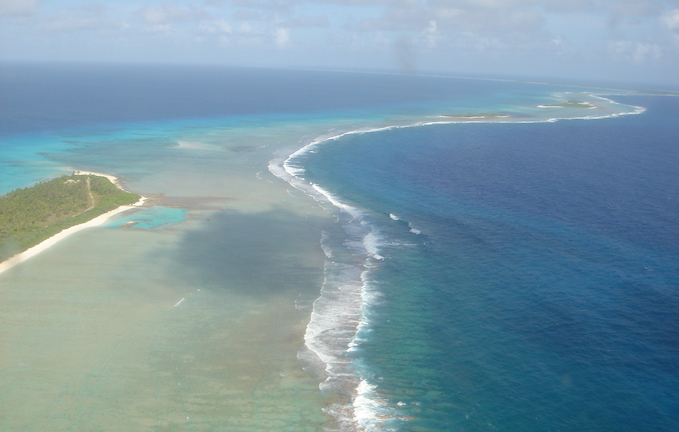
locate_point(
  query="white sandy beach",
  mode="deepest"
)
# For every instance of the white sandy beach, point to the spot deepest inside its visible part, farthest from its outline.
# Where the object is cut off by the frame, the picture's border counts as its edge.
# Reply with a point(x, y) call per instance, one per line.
point(46, 244)
point(193, 326)
point(113, 179)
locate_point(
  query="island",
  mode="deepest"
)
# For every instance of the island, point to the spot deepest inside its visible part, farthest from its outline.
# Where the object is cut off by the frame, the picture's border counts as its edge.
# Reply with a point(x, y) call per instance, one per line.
point(570, 104)
point(30, 216)
point(476, 116)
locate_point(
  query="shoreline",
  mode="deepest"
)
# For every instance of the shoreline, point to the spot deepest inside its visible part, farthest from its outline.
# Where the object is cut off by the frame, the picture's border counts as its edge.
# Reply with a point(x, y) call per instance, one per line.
point(113, 179)
point(97, 221)
point(361, 410)
point(110, 314)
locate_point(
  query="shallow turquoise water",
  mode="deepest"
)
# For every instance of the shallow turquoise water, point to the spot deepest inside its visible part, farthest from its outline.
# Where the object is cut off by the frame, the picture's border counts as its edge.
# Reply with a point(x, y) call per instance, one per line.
point(156, 217)
point(216, 285)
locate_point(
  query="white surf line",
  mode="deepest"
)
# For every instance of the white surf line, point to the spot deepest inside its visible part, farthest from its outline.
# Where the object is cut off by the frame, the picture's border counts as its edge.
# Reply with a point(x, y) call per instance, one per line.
point(286, 169)
point(46, 244)
point(294, 172)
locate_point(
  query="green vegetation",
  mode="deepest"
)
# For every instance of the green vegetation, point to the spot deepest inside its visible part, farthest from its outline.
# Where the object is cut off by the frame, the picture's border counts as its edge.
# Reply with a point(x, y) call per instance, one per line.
point(30, 215)
point(572, 104)
point(473, 115)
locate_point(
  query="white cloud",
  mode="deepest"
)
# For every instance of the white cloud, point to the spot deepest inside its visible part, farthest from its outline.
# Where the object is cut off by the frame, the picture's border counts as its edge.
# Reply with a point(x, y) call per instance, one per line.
point(171, 13)
point(18, 7)
point(216, 26)
point(637, 7)
point(86, 18)
point(644, 50)
point(489, 17)
point(269, 5)
point(305, 21)
point(248, 15)
point(69, 21)
point(282, 37)
point(671, 21)
point(430, 34)
point(639, 52)
point(435, 34)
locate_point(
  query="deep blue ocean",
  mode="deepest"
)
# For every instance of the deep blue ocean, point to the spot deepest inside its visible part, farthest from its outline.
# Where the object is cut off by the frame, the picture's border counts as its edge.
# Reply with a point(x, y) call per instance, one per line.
point(512, 276)
point(530, 272)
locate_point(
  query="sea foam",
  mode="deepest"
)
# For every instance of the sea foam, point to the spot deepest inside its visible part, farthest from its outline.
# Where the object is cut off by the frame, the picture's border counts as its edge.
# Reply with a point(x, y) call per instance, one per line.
point(340, 317)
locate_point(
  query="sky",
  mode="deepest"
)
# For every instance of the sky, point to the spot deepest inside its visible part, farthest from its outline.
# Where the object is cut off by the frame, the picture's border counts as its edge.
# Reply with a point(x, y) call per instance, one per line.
point(603, 40)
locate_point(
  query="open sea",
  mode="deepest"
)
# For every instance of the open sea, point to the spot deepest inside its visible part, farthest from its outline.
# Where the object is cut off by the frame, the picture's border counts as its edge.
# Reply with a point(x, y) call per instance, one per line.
point(344, 251)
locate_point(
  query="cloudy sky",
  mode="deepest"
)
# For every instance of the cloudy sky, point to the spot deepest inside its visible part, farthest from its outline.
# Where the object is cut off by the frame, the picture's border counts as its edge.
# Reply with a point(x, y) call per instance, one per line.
point(635, 40)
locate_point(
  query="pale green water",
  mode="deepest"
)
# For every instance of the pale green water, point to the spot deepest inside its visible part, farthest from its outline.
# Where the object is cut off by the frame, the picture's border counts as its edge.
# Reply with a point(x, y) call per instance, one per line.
point(192, 325)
